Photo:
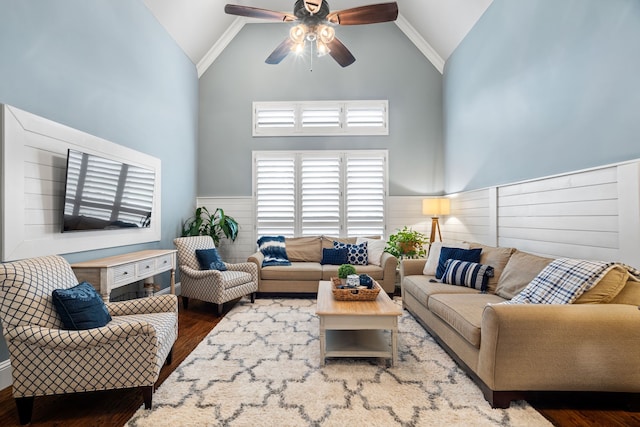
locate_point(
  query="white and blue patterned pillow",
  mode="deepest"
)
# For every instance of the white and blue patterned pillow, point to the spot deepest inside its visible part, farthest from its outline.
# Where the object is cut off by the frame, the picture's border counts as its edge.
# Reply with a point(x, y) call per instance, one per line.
point(274, 251)
point(356, 254)
point(469, 274)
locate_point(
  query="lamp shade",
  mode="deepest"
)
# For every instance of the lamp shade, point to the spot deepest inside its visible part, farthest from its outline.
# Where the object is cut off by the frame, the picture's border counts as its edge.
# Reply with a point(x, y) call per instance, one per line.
point(435, 207)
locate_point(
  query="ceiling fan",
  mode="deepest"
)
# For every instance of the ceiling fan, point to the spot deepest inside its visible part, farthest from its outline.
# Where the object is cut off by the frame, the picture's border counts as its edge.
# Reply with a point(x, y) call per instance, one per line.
point(315, 25)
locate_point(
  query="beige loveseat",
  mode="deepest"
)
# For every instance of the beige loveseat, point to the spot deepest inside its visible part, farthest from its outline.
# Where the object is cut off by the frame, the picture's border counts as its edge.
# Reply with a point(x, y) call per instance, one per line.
point(516, 352)
point(306, 270)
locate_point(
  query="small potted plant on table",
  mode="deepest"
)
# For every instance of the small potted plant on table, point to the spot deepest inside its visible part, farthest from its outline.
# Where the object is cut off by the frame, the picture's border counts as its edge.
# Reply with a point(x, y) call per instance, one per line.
point(345, 270)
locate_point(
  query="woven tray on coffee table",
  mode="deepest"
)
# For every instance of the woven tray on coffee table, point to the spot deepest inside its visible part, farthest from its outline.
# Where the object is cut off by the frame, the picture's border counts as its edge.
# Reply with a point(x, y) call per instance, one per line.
point(357, 294)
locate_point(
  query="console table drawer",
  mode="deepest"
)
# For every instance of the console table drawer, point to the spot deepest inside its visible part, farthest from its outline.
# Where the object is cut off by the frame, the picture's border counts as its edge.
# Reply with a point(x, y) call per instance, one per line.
point(164, 263)
point(124, 273)
point(145, 268)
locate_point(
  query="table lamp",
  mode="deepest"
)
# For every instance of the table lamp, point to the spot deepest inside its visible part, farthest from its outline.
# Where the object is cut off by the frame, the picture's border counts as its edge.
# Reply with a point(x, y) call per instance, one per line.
point(435, 207)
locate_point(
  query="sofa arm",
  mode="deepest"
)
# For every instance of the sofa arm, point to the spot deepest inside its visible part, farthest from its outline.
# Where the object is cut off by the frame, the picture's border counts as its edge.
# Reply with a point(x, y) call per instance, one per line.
point(257, 259)
point(389, 263)
point(411, 267)
point(560, 347)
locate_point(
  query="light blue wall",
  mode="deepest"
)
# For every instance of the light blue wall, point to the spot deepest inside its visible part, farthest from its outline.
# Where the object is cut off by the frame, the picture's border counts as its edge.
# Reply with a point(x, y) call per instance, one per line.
point(388, 66)
point(108, 68)
point(540, 87)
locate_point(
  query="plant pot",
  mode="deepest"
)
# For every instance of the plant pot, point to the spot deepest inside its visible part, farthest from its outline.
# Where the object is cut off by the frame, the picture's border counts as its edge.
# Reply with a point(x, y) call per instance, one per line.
point(407, 247)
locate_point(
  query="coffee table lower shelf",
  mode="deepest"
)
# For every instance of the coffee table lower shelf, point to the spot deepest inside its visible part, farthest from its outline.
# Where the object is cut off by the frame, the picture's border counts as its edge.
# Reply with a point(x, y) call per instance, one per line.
point(358, 343)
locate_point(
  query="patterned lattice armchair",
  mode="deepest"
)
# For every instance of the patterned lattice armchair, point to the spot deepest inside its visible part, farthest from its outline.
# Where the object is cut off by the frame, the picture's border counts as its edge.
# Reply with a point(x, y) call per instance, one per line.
point(47, 359)
point(213, 286)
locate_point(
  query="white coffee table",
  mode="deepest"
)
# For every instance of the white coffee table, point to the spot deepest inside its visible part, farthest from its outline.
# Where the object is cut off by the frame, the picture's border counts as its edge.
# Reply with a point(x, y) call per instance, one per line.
point(356, 328)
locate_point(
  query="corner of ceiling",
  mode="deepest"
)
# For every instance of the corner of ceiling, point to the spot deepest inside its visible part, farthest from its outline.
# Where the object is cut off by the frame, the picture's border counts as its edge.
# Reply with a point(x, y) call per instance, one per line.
point(427, 50)
point(402, 23)
point(206, 61)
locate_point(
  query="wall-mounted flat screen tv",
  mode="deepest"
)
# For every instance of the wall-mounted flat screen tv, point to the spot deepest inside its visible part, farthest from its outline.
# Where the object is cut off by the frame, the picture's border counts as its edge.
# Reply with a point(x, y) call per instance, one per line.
point(105, 194)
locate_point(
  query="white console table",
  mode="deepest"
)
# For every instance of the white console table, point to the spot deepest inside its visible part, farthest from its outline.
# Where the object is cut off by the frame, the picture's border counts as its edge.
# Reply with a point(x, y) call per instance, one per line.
point(113, 272)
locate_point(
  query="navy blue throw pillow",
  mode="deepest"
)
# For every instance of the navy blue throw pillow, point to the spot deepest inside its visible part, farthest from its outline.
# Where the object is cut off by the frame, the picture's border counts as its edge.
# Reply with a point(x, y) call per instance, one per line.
point(80, 307)
point(471, 255)
point(356, 254)
point(334, 256)
point(274, 251)
point(469, 274)
point(209, 259)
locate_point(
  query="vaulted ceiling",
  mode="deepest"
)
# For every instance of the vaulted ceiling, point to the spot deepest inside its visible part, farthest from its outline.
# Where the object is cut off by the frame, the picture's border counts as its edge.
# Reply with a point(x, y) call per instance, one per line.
point(202, 29)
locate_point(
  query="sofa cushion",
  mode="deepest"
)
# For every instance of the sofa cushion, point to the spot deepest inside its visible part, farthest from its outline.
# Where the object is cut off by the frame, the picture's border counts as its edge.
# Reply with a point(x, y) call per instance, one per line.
point(446, 253)
point(356, 254)
point(521, 269)
point(421, 288)
point(630, 294)
point(497, 258)
point(327, 241)
point(433, 259)
point(463, 312)
point(334, 256)
point(376, 273)
point(295, 271)
point(300, 249)
point(469, 274)
point(606, 289)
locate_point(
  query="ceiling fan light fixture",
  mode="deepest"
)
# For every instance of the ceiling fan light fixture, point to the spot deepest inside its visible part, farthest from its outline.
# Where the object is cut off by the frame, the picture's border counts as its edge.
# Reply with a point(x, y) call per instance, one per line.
point(322, 48)
point(298, 33)
point(326, 34)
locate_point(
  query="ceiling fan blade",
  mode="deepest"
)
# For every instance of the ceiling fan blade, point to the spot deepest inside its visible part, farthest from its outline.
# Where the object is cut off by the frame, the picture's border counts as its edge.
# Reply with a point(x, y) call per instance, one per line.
point(340, 53)
point(280, 52)
point(371, 14)
point(254, 12)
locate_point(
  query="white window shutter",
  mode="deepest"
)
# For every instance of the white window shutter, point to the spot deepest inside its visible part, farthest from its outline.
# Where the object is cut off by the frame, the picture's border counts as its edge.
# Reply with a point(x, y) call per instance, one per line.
point(320, 195)
point(275, 195)
point(365, 195)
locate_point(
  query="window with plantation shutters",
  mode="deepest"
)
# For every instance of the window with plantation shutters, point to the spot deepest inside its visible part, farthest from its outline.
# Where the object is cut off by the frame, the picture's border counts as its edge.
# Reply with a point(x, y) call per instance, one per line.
point(320, 118)
point(275, 194)
point(310, 193)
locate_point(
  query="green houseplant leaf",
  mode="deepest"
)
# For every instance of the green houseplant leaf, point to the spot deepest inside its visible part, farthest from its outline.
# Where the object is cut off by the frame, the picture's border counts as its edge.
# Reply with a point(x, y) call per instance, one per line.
point(407, 243)
point(216, 225)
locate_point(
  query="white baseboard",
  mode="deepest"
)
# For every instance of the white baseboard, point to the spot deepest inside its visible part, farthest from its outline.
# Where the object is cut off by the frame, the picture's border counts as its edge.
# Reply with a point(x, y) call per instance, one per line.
point(5, 374)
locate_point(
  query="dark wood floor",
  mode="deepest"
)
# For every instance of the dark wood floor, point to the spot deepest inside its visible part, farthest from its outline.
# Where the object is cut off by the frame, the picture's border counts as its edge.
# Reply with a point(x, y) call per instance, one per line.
point(115, 407)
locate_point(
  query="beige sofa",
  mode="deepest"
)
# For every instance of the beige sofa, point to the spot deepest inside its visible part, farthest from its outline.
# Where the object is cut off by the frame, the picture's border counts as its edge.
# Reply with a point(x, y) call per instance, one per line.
point(305, 271)
point(518, 352)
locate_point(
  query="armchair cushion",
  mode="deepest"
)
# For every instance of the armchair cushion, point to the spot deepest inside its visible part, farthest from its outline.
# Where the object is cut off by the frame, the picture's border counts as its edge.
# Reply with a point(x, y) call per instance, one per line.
point(80, 307)
point(209, 259)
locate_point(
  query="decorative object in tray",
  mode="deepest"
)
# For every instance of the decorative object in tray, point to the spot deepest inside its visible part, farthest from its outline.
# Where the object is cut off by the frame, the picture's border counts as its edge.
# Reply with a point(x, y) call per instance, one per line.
point(366, 290)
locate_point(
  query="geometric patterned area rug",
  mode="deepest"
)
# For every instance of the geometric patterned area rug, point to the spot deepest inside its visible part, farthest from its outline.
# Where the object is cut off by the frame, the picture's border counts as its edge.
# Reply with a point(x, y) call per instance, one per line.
point(260, 366)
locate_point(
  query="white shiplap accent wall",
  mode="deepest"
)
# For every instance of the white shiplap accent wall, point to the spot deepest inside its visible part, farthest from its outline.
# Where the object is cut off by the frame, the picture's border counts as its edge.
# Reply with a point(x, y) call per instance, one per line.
point(241, 209)
point(471, 218)
point(34, 152)
point(572, 215)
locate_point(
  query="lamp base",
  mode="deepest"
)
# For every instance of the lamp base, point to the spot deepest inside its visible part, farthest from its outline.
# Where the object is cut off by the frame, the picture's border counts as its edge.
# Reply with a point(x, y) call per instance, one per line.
point(435, 225)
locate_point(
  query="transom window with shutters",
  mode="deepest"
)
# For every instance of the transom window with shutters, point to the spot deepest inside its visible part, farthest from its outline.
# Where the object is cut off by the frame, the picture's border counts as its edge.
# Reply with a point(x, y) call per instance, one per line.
point(287, 118)
point(311, 193)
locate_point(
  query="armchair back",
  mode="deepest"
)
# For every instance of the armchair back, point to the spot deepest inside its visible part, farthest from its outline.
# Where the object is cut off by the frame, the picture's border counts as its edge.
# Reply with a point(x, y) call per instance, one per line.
point(26, 287)
point(187, 247)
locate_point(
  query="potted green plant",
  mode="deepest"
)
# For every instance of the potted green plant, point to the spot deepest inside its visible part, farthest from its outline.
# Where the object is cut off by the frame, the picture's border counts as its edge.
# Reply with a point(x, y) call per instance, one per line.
point(407, 243)
point(345, 270)
point(216, 225)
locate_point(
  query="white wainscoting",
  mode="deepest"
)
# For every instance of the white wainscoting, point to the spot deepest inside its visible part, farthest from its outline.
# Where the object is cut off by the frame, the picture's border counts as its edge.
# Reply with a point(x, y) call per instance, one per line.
point(241, 209)
point(34, 152)
point(590, 214)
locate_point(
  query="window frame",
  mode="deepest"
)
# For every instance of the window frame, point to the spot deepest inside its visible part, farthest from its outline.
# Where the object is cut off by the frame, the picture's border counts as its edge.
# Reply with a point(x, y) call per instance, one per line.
point(297, 157)
point(291, 120)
